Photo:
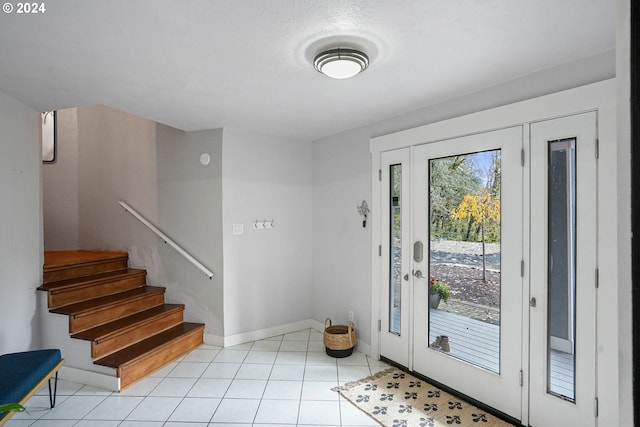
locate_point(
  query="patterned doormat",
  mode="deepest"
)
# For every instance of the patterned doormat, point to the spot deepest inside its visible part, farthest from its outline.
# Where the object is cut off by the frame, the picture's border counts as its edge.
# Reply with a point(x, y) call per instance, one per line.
point(397, 399)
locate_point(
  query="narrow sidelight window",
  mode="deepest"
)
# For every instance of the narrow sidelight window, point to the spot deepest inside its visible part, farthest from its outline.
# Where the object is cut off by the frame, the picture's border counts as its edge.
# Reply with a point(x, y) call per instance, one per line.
point(395, 256)
point(561, 280)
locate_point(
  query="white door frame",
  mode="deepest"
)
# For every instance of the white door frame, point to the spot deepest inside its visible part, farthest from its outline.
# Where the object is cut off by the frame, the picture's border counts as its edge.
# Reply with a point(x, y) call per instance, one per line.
point(598, 96)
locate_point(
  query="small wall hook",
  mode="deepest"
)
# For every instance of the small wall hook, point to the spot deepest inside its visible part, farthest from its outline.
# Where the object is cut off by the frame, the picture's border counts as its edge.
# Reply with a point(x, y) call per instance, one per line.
point(363, 210)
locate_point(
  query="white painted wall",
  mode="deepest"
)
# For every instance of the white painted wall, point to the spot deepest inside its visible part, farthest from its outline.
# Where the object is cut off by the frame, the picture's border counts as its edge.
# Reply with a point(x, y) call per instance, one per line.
point(267, 273)
point(342, 178)
point(20, 225)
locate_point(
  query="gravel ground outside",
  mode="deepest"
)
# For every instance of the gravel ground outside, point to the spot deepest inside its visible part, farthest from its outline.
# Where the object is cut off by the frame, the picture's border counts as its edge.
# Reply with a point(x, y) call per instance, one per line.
point(460, 265)
point(468, 248)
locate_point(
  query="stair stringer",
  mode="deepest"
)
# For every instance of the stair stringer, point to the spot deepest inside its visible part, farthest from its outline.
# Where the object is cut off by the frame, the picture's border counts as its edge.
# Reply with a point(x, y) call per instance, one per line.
point(78, 367)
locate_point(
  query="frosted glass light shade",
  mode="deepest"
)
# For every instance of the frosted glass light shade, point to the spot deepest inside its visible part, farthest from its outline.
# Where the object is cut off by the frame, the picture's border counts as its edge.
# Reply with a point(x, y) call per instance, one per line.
point(341, 63)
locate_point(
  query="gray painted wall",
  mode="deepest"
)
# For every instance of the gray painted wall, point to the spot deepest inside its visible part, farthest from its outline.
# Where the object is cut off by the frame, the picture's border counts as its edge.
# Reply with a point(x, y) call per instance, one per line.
point(20, 225)
point(267, 280)
point(190, 212)
point(116, 161)
point(341, 246)
point(60, 186)
point(624, 167)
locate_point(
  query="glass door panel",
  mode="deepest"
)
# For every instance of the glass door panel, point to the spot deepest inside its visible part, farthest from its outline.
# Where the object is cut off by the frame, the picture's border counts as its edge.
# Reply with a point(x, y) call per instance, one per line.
point(464, 257)
point(561, 265)
point(395, 259)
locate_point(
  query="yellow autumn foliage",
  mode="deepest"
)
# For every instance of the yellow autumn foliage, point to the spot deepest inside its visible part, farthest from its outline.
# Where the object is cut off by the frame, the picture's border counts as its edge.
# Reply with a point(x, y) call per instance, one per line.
point(481, 207)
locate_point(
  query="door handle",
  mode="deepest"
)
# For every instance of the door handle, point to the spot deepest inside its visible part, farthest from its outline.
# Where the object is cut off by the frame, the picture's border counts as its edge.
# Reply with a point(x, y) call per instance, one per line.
point(418, 274)
point(532, 302)
point(406, 277)
point(417, 251)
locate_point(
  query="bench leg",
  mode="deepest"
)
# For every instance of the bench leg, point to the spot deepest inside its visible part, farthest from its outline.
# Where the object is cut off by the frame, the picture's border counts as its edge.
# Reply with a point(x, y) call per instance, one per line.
point(52, 397)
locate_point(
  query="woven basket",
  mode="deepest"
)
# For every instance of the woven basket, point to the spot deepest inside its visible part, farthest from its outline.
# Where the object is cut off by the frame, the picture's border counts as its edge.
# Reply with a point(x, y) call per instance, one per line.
point(339, 340)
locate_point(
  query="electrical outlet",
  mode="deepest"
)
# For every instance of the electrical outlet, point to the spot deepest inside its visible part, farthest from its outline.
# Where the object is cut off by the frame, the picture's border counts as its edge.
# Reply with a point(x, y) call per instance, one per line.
point(351, 316)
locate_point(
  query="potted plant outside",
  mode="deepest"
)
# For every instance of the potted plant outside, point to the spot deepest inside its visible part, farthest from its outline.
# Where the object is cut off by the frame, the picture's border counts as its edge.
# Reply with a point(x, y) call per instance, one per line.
point(438, 290)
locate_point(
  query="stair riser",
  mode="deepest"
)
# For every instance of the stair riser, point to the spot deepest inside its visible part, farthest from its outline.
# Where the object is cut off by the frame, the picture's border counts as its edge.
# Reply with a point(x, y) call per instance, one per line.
point(135, 334)
point(100, 317)
point(82, 270)
point(135, 371)
point(83, 293)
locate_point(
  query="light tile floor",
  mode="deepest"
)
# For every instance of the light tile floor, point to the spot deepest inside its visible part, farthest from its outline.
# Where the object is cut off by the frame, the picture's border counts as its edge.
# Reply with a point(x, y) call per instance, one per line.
point(281, 381)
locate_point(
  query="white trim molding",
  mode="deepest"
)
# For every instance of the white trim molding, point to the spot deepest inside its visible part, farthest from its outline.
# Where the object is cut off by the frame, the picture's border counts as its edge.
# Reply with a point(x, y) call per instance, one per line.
point(94, 379)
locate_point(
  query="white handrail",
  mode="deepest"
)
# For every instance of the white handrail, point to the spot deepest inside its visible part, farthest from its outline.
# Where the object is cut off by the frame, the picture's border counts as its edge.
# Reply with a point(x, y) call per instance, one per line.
point(166, 239)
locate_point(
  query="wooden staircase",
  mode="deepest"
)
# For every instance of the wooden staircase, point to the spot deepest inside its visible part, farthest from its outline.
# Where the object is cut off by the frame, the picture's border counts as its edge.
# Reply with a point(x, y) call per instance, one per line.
point(128, 323)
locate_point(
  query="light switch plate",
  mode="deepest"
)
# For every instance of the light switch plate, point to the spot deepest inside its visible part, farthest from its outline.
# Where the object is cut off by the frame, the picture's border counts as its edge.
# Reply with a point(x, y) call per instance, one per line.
point(238, 229)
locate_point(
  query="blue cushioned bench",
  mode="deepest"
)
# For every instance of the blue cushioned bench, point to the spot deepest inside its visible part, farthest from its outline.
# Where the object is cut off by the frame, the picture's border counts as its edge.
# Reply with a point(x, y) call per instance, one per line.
point(22, 375)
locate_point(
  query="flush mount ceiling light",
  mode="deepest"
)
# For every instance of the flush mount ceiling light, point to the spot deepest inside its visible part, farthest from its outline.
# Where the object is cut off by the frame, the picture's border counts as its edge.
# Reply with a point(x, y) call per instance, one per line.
point(341, 63)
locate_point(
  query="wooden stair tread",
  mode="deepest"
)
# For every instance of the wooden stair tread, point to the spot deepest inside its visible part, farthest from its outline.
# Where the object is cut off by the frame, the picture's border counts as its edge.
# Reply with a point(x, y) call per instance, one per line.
point(128, 324)
point(105, 302)
point(61, 265)
point(120, 326)
point(65, 258)
point(65, 284)
point(148, 346)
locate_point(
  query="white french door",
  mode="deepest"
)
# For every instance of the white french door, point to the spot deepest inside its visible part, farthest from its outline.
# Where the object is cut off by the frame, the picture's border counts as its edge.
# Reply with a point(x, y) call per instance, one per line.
point(563, 273)
point(483, 359)
point(532, 353)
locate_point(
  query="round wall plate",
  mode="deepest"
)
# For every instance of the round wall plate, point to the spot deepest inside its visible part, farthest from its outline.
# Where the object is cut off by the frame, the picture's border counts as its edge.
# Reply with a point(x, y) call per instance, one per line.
point(205, 159)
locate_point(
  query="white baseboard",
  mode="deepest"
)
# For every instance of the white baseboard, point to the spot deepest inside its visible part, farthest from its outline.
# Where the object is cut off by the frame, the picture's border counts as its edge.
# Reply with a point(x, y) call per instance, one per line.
point(364, 348)
point(261, 334)
point(93, 379)
point(216, 340)
point(318, 326)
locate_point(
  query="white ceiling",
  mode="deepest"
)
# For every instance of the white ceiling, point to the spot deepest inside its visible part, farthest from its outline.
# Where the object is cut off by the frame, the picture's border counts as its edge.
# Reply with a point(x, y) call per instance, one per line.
point(204, 64)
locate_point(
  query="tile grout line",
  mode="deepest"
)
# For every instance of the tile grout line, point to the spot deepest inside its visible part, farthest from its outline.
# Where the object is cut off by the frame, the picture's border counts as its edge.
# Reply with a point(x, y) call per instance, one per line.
point(232, 380)
point(267, 383)
point(304, 372)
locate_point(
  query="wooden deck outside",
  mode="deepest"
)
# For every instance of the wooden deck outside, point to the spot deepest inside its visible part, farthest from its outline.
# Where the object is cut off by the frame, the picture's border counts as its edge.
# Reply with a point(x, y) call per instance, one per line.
point(478, 343)
point(470, 340)
point(562, 372)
